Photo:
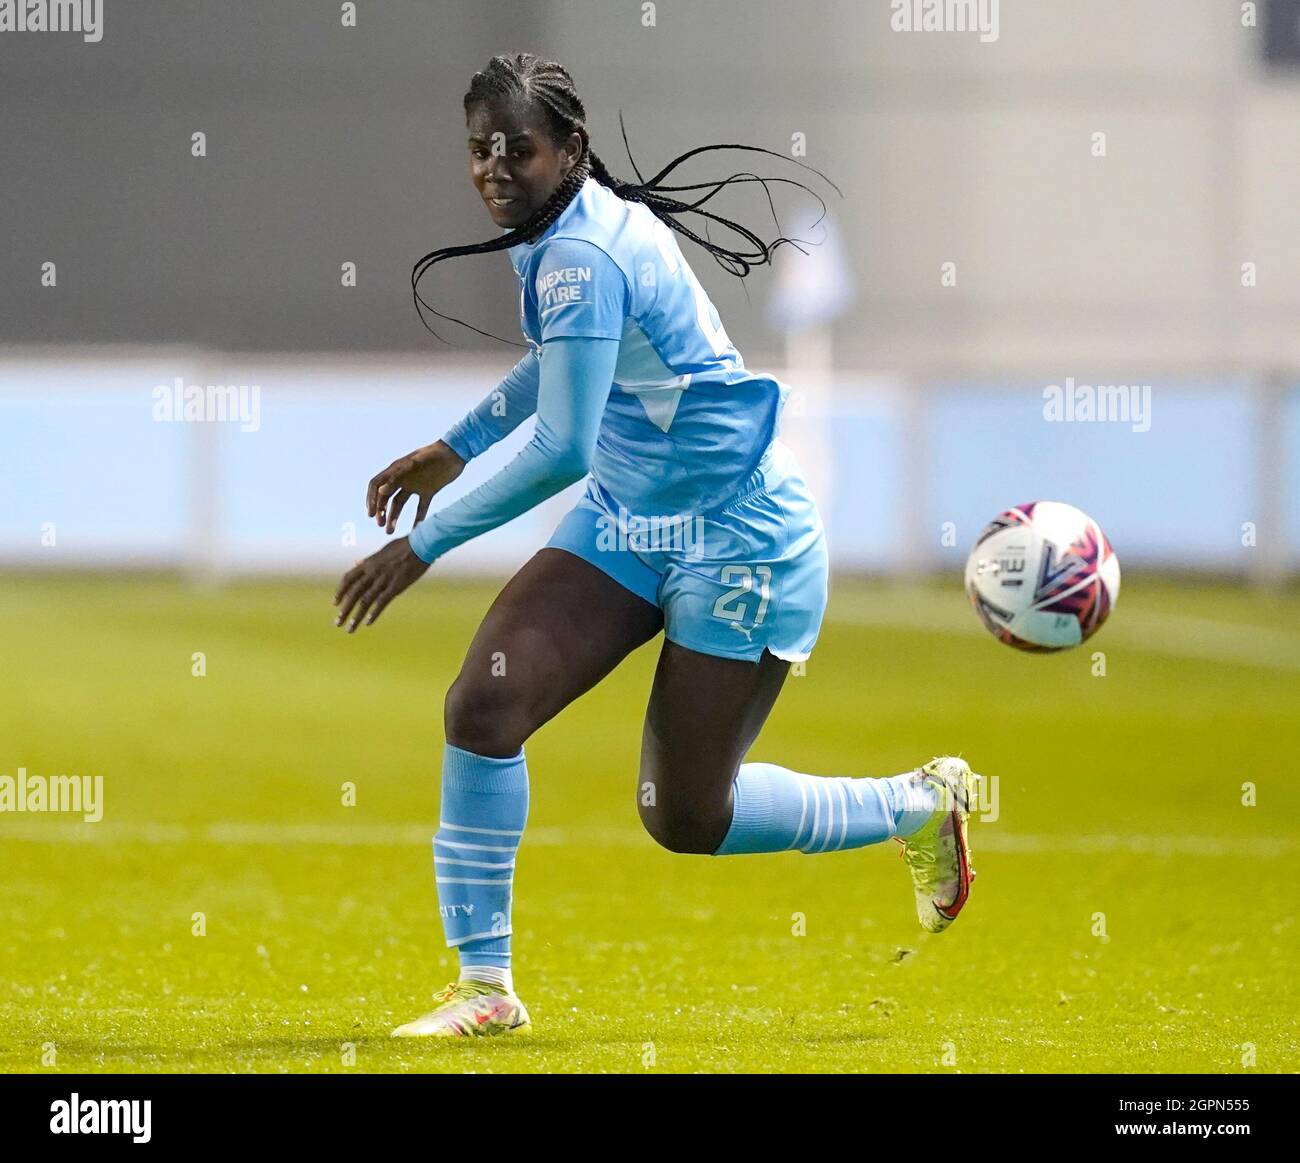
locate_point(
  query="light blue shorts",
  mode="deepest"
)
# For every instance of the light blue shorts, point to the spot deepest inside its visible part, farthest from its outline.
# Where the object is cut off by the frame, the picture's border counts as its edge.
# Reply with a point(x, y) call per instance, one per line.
point(731, 582)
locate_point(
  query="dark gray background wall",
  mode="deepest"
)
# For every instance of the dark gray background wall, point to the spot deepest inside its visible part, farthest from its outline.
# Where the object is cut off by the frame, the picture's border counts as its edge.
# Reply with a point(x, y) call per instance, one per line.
point(328, 144)
point(325, 144)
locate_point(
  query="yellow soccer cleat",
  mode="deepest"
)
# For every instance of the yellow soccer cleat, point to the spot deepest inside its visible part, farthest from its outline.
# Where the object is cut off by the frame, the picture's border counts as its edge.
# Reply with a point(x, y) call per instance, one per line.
point(470, 1009)
point(938, 855)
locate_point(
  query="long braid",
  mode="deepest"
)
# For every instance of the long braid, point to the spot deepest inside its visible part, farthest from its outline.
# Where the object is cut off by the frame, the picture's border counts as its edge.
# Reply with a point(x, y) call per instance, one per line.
point(550, 86)
point(538, 224)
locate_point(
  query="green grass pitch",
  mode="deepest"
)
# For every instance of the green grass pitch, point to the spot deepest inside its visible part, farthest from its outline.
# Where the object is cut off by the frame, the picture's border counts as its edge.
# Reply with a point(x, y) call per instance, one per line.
point(1131, 913)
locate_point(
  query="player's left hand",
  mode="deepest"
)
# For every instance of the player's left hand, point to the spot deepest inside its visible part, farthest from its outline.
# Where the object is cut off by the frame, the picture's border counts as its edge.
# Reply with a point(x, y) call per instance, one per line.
point(375, 581)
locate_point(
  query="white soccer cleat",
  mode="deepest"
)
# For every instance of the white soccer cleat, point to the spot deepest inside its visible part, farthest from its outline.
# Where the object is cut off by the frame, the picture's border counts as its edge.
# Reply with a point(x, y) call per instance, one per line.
point(938, 855)
point(470, 1009)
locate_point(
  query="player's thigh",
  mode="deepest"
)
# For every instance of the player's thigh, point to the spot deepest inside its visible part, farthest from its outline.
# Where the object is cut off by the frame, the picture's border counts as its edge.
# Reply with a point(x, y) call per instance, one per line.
point(704, 714)
point(556, 629)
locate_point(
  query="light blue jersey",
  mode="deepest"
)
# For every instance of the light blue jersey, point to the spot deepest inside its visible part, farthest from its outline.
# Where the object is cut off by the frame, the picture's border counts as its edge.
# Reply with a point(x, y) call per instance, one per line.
point(686, 423)
point(636, 386)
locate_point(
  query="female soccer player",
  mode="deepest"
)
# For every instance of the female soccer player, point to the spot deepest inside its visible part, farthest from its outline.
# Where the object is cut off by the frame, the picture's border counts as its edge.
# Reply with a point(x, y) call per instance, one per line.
point(696, 521)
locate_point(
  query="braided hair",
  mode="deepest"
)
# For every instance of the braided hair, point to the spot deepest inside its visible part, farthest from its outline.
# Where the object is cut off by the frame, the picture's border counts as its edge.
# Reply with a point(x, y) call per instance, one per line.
point(550, 86)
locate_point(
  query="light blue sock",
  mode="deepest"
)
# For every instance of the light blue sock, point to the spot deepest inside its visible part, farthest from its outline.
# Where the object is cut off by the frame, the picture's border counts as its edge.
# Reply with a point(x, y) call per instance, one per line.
point(775, 810)
point(484, 808)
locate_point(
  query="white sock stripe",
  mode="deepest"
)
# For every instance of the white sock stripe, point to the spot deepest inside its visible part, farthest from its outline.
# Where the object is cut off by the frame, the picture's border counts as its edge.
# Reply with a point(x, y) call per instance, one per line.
point(476, 847)
point(817, 815)
point(844, 804)
point(803, 810)
point(473, 863)
point(498, 975)
point(820, 841)
point(878, 786)
point(830, 815)
point(466, 880)
point(815, 795)
point(480, 831)
point(481, 937)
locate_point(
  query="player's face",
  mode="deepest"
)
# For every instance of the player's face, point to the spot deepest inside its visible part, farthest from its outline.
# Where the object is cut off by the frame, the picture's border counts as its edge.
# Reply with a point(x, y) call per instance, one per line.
point(515, 165)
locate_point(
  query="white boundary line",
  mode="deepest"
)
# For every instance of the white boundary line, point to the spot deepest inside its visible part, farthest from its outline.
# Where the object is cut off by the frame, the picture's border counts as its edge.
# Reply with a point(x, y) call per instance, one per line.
point(1173, 635)
point(986, 838)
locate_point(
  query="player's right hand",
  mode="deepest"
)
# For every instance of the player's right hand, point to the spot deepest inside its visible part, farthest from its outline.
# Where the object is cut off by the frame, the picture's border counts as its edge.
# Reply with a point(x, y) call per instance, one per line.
point(421, 473)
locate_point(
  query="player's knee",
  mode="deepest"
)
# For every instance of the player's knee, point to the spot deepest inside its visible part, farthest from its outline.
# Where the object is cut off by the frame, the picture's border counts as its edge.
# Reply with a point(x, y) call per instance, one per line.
point(478, 717)
point(679, 826)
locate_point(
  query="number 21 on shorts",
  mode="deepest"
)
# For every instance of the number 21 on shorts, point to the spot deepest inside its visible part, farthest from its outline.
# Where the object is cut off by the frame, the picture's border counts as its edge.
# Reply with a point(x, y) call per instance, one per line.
point(737, 603)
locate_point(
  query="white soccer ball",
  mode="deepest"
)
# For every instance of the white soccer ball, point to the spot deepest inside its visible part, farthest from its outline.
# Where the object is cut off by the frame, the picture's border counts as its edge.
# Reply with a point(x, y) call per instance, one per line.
point(1042, 576)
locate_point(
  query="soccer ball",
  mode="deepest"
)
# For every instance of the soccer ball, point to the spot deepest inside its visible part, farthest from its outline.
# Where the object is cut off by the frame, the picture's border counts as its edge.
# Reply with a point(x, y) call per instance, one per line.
point(1042, 576)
